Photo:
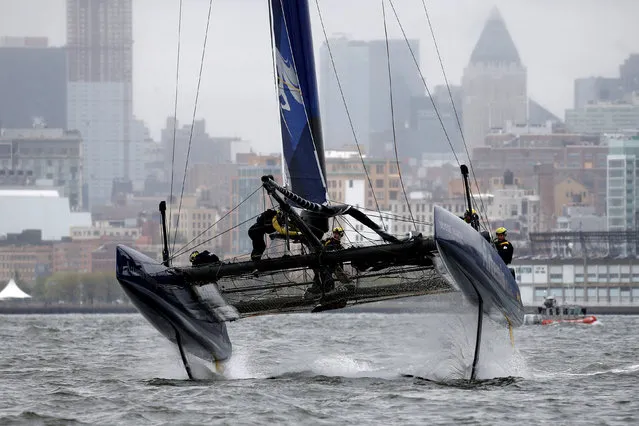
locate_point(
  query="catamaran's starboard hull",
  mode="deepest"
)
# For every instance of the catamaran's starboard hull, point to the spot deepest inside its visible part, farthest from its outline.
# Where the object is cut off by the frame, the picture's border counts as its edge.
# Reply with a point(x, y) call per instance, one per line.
point(172, 307)
point(476, 268)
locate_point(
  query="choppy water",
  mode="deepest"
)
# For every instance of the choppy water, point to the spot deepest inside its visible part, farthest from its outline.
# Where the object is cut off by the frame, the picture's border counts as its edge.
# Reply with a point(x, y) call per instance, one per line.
point(320, 369)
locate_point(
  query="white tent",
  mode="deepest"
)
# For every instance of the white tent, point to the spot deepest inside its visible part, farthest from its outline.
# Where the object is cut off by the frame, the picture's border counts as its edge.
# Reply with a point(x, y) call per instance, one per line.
point(12, 291)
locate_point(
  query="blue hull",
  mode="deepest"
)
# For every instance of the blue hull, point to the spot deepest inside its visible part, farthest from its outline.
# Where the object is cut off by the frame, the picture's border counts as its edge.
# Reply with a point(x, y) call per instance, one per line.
point(476, 268)
point(172, 307)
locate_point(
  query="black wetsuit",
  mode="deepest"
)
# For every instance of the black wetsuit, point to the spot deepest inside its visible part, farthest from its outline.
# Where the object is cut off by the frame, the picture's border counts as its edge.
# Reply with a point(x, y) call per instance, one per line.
point(505, 250)
point(326, 272)
point(263, 225)
point(204, 258)
point(332, 244)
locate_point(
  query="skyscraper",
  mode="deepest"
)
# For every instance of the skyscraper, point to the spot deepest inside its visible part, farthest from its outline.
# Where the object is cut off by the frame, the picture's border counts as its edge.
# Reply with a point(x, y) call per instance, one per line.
point(100, 65)
point(427, 133)
point(351, 60)
point(362, 67)
point(494, 83)
point(33, 83)
point(622, 195)
point(629, 73)
point(597, 89)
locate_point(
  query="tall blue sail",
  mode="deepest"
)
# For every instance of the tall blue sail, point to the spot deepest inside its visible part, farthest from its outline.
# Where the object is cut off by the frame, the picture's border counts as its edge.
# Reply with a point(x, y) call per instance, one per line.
point(299, 106)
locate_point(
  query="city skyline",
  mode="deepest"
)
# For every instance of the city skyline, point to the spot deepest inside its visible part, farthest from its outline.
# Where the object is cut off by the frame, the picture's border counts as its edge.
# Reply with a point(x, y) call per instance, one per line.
point(242, 89)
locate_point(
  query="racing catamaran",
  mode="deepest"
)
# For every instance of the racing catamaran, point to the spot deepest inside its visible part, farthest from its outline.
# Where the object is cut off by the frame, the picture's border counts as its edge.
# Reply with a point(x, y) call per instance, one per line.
point(190, 305)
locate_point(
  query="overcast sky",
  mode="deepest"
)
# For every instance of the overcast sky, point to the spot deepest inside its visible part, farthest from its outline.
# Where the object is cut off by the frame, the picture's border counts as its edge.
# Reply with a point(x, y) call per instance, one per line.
point(558, 41)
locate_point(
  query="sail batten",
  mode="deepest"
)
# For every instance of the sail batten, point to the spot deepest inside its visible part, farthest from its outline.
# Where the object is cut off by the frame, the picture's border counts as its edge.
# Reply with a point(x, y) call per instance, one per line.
point(298, 98)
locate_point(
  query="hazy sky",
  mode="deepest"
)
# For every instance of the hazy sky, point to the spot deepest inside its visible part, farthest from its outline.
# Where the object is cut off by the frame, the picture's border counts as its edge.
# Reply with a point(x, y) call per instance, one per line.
point(558, 41)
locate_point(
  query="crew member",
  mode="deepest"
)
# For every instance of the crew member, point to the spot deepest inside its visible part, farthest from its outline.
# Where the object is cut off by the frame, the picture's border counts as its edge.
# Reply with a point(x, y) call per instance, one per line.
point(203, 258)
point(335, 241)
point(326, 272)
point(470, 216)
point(263, 225)
point(503, 246)
point(268, 222)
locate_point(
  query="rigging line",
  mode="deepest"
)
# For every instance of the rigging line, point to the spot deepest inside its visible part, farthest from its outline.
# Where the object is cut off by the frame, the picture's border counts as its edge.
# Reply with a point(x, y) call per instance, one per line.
point(177, 80)
point(364, 237)
point(428, 90)
point(376, 242)
point(335, 219)
point(450, 95)
point(483, 220)
point(348, 114)
point(390, 90)
point(218, 221)
point(387, 215)
point(439, 117)
point(197, 96)
point(214, 237)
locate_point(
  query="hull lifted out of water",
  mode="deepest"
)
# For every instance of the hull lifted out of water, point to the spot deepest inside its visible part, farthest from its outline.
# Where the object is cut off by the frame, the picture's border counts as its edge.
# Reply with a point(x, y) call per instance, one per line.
point(191, 305)
point(476, 268)
point(173, 307)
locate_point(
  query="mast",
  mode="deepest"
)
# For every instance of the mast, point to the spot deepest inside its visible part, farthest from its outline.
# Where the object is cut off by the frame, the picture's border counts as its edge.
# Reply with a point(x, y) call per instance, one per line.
point(301, 128)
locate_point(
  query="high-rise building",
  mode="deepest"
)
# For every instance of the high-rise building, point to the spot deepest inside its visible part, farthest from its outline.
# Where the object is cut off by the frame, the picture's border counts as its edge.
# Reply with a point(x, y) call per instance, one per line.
point(629, 74)
point(343, 168)
point(139, 146)
point(494, 83)
point(623, 197)
point(100, 65)
point(428, 115)
point(41, 155)
point(597, 89)
point(351, 60)
point(192, 139)
point(603, 118)
point(249, 202)
point(362, 68)
point(33, 83)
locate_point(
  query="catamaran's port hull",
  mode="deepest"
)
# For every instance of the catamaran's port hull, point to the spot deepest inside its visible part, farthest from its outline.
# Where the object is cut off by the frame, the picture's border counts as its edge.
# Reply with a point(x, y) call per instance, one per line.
point(173, 309)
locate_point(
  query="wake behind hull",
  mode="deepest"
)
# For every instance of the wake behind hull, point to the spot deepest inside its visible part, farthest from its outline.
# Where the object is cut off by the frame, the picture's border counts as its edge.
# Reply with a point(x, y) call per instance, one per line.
point(476, 268)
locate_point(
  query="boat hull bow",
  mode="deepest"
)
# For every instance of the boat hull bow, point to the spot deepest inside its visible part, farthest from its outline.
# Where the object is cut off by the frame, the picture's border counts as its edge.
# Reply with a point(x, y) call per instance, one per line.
point(171, 306)
point(476, 268)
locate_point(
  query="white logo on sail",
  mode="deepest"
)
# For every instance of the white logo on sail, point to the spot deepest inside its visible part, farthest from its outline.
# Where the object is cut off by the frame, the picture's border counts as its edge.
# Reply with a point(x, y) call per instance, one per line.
point(287, 78)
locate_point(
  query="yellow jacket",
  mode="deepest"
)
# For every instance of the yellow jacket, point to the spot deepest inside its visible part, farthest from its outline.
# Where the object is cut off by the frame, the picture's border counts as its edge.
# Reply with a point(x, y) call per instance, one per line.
point(283, 230)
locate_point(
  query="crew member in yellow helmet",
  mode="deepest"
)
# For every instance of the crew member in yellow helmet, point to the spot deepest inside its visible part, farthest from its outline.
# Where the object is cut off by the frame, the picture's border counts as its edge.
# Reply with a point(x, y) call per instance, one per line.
point(503, 246)
point(335, 241)
point(470, 215)
point(203, 258)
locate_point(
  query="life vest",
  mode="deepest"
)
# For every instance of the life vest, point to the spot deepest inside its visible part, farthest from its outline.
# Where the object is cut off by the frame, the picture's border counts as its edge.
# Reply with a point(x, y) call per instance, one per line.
point(332, 242)
point(288, 230)
point(501, 243)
